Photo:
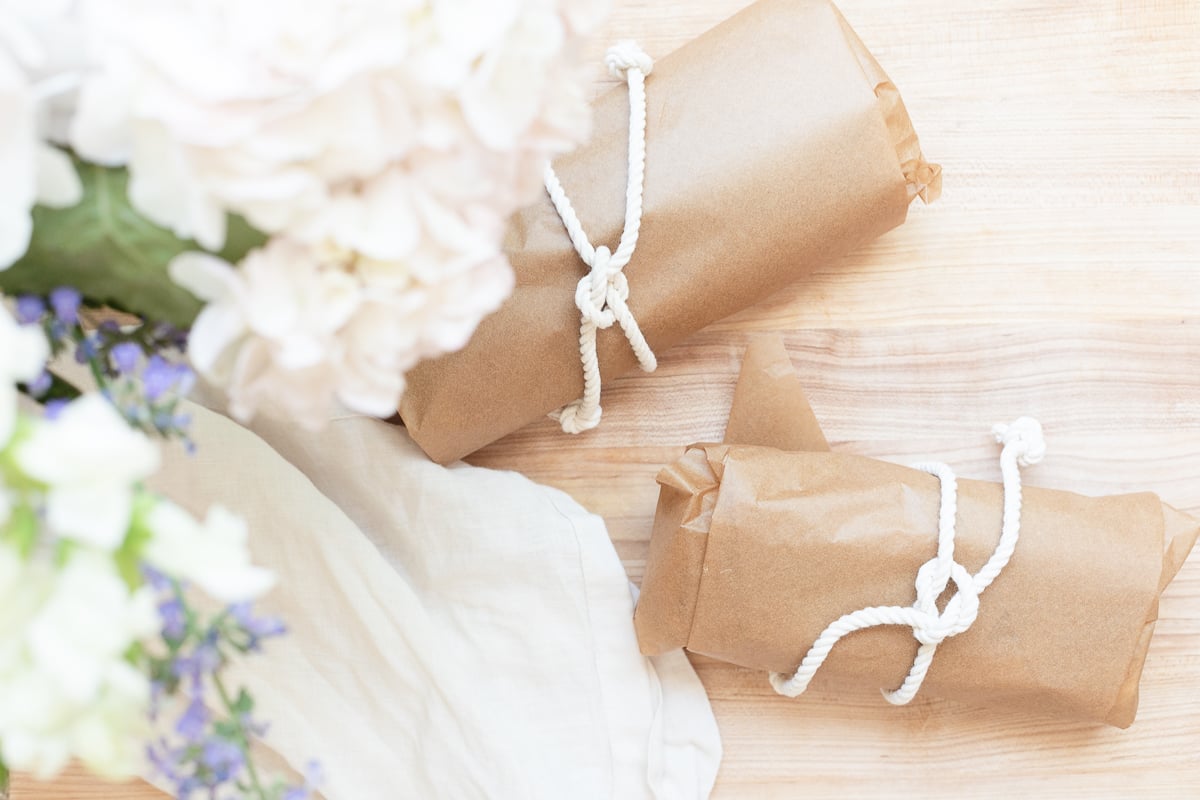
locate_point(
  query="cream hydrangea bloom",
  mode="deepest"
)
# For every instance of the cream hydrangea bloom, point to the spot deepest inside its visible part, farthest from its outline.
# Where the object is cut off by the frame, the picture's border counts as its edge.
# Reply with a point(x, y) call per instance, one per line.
point(34, 44)
point(18, 141)
point(317, 119)
point(382, 143)
point(298, 328)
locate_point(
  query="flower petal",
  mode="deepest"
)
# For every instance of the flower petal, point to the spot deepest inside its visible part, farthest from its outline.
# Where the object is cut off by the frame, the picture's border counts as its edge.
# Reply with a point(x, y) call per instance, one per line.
point(97, 516)
point(206, 276)
point(58, 182)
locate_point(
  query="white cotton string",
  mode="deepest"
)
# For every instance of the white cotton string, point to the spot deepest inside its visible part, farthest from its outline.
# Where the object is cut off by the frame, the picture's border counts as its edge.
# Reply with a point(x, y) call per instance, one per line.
point(1023, 446)
point(602, 294)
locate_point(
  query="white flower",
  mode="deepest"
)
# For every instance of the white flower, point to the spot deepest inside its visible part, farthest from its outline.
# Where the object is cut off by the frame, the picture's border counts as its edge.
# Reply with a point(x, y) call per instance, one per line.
point(91, 460)
point(307, 118)
point(18, 142)
point(212, 555)
point(23, 354)
point(33, 35)
point(295, 322)
point(89, 619)
point(109, 736)
point(66, 689)
point(383, 144)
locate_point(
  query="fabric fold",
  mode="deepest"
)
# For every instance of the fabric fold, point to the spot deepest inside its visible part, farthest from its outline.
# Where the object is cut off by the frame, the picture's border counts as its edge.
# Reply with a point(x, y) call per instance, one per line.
point(454, 632)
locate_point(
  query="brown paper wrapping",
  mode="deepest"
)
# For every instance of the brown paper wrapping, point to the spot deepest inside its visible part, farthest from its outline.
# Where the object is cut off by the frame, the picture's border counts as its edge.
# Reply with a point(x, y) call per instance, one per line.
point(755, 550)
point(775, 144)
point(769, 405)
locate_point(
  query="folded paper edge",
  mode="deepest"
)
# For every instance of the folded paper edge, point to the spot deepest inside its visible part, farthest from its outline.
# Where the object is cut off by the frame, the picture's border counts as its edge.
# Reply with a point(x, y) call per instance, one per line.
point(769, 406)
point(1180, 532)
point(678, 544)
point(923, 178)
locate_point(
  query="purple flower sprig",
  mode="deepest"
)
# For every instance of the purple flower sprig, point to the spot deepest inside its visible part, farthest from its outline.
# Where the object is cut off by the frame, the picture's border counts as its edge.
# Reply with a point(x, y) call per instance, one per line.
point(139, 368)
point(207, 746)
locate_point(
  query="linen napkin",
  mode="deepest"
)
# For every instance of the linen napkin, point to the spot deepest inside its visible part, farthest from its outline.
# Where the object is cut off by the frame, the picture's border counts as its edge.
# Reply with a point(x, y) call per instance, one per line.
point(454, 632)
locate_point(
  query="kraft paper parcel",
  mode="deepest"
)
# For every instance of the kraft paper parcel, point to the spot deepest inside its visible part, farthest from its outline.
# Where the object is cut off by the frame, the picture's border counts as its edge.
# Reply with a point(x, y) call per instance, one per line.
point(775, 144)
point(756, 549)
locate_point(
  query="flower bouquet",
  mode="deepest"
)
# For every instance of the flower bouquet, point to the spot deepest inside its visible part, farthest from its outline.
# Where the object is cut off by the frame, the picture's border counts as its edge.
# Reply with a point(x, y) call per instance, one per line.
point(298, 202)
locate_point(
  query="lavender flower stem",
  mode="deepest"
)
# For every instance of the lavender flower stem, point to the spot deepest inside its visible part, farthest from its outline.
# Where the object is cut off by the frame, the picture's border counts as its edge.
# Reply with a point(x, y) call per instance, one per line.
point(251, 770)
point(93, 363)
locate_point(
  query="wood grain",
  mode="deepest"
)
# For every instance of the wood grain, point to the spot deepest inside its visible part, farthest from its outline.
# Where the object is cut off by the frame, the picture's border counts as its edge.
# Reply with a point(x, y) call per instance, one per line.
point(1056, 276)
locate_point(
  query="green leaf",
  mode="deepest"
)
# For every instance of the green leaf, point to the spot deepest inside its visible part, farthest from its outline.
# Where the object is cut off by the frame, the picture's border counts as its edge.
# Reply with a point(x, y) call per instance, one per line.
point(228, 729)
point(11, 473)
point(22, 530)
point(128, 557)
point(135, 654)
point(243, 705)
point(112, 254)
point(163, 671)
point(63, 550)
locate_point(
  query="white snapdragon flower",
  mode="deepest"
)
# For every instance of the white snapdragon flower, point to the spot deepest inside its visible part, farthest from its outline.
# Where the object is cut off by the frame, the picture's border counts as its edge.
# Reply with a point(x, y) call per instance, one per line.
point(90, 459)
point(213, 555)
point(23, 354)
point(89, 619)
point(35, 39)
point(68, 618)
point(66, 690)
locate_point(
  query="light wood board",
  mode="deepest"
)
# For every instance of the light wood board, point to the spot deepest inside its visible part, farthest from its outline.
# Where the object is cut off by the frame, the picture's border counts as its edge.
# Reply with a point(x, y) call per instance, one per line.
point(1057, 276)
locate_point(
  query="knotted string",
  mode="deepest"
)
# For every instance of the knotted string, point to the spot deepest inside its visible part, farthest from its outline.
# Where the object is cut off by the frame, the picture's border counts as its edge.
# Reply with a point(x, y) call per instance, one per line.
point(602, 294)
point(1023, 447)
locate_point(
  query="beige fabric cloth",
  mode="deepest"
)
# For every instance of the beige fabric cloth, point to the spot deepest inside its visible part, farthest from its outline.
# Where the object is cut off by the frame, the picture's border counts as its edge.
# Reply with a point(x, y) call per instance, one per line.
point(454, 632)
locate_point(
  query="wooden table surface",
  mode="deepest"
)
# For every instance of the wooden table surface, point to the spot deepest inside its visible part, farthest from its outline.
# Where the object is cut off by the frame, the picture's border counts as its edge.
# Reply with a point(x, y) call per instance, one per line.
point(1055, 277)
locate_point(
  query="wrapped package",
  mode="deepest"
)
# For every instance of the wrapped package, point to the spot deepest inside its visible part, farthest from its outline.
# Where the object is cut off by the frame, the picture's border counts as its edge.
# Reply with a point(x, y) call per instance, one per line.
point(755, 550)
point(774, 144)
